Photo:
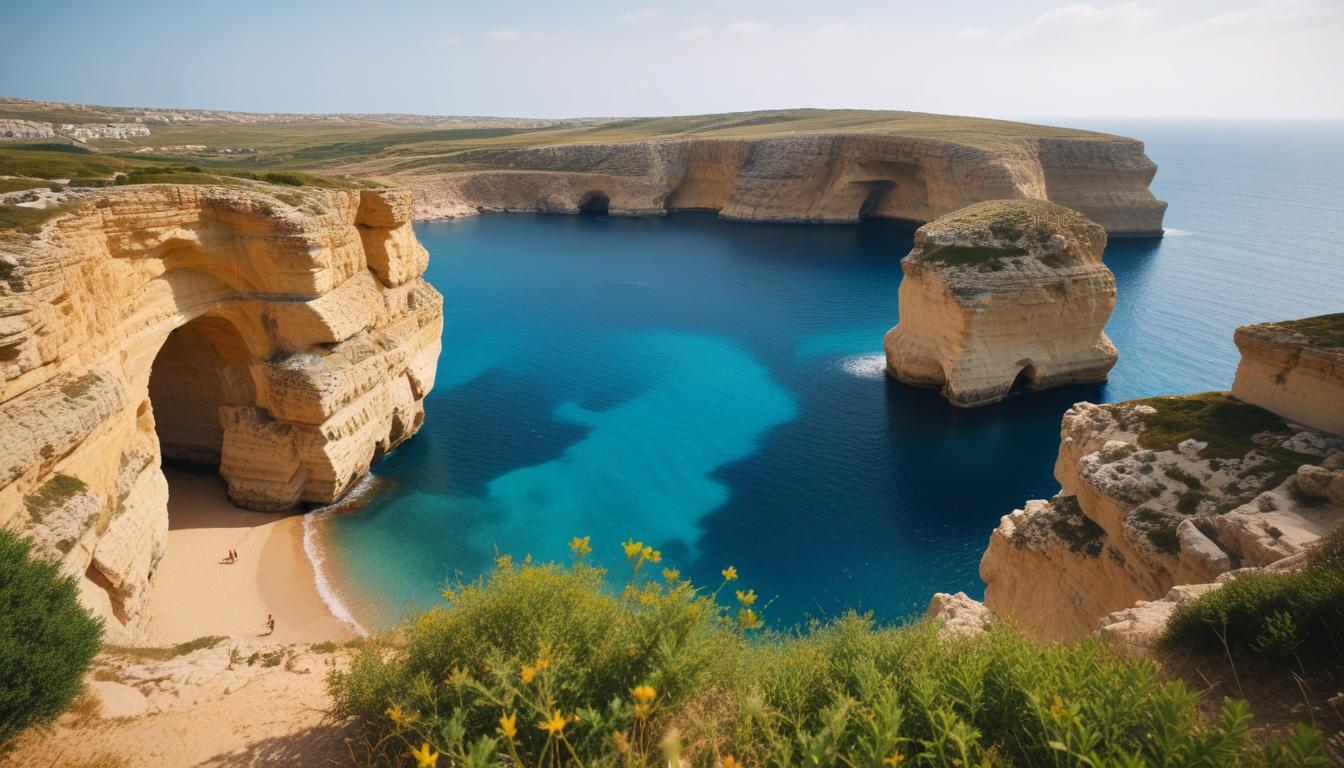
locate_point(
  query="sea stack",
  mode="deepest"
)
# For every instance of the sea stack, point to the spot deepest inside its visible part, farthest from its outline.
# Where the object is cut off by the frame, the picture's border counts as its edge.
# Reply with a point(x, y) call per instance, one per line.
point(1000, 293)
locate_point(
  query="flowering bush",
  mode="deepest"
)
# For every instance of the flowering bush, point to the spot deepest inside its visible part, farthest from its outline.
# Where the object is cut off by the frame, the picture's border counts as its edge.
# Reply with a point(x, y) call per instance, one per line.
point(544, 665)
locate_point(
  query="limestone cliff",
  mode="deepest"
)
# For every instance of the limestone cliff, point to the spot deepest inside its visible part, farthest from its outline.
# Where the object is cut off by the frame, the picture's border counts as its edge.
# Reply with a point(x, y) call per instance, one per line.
point(1000, 291)
point(807, 177)
point(1295, 369)
point(1157, 493)
point(284, 335)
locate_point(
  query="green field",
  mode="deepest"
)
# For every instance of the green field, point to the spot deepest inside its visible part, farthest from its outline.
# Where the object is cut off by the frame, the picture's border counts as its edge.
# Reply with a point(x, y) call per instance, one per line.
point(385, 149)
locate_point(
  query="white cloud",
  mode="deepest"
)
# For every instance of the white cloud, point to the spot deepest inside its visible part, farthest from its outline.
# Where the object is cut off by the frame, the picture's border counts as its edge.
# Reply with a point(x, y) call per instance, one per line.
point(1085, 19)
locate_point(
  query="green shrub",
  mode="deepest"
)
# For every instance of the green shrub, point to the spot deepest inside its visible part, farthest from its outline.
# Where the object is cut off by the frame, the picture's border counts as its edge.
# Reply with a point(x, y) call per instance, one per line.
point(546, 665)
point(1297, 615)
point(46, 639)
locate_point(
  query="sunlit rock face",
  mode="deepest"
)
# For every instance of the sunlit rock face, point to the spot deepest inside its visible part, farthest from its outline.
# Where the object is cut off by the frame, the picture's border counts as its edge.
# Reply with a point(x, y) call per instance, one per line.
point(1295, 369)
point(811, 177)
point(1003, 293)
point(1155, 494)
point(283, 335)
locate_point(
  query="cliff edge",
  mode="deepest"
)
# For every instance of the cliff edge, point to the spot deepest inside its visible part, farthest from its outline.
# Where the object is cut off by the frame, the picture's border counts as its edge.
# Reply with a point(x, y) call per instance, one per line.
point(814, 177)
point(1162, 493)
point(283, 335)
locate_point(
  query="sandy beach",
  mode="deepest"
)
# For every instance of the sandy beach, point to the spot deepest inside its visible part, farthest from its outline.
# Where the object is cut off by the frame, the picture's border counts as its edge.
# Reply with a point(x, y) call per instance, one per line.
point(194, 593)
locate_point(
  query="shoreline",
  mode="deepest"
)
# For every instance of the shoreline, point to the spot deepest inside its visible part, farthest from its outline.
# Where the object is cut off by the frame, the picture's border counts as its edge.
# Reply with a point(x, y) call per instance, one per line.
point(194, 593)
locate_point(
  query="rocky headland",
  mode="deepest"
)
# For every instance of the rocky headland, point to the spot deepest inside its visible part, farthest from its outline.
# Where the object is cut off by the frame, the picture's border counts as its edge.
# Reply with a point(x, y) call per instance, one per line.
point(1001, 293)
point(282, 335)
point(1163, 499)
point(821, 177)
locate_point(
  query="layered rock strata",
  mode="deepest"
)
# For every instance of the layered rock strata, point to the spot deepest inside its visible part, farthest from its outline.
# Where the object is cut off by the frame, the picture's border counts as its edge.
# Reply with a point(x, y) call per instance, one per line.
point(1295, 369)
point(1002, 293)
point(808, 177)
point(285, 336)
point(1159, 493)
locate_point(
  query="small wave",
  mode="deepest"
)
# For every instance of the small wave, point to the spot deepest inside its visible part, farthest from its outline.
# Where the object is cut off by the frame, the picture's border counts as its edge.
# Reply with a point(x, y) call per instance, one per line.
point(865, 366)
point(318, 558)
point(639, 283)
point(1174, 232)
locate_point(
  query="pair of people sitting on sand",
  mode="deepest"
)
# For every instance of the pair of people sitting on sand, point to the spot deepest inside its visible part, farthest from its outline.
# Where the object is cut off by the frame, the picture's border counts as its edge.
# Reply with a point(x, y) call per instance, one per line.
point(232, 557)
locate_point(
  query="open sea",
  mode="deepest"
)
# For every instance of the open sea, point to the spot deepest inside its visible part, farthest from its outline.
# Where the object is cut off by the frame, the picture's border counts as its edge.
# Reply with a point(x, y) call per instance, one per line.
point(717, 389)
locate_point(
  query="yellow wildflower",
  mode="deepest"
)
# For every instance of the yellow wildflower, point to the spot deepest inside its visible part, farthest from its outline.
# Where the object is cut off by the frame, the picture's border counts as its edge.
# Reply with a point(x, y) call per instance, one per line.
point(448, 594)
point(424, 758)
point(397, 716)
point(748, 619)
point(580, 546)
point(647, 598)
point(1058, 709)
point(894, 759)
point(746, 598)
point(529, 673)
point(555, 725)
point(644, 693)
point(508, 725)
point(651, 554)
point(729, 762)
point(504, 562)
point(633, 549)
point(671, 574)
point(730, 574)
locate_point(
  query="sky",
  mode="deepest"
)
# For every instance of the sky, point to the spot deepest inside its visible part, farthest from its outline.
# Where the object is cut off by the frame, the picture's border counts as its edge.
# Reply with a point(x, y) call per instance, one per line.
point(1258, 59)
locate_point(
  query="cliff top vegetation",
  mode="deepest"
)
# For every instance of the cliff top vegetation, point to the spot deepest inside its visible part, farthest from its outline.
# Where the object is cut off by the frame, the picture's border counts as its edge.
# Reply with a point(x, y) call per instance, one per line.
point(381, 147)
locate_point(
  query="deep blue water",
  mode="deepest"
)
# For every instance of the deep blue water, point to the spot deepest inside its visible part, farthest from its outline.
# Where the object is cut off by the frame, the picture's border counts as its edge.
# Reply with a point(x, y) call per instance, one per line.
point(715, 389)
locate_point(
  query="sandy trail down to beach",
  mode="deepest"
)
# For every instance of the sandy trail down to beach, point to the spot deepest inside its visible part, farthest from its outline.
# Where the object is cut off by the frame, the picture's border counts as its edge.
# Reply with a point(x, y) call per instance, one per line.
point(193, 593)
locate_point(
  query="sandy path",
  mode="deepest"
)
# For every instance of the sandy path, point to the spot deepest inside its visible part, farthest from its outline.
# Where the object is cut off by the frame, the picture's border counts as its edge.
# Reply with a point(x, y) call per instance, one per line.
point(194, 594)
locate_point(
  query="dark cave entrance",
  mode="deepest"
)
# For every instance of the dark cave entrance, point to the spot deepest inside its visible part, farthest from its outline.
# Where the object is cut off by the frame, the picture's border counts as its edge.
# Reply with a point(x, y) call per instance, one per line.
point(1025, 379)
point(878, 191)
point(595, 203)
point(202, 367)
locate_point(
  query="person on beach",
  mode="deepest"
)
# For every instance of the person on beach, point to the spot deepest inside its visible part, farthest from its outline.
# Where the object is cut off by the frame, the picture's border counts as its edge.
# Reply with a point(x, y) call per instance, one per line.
point(270, 624)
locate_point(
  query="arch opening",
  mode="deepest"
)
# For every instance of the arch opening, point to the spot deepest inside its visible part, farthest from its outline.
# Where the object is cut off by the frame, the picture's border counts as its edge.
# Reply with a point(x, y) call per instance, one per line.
point(873, 202)
point(202, 367)
point(1025, 379)
point(595, 203)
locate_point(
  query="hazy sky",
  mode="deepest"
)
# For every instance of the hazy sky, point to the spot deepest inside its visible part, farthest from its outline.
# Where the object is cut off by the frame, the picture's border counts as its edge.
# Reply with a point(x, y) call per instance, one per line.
point(1003, 58)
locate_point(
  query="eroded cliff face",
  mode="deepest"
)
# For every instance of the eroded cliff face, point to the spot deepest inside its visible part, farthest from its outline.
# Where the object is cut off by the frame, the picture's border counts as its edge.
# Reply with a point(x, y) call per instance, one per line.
point(1295, 369)
point(1159, 493)
point(999, 291)
point(816, 177)
point(283, 335)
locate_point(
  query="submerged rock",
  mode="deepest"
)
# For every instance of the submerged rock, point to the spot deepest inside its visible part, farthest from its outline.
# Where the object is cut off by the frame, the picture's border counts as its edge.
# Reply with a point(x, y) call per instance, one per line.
point(1002, 293)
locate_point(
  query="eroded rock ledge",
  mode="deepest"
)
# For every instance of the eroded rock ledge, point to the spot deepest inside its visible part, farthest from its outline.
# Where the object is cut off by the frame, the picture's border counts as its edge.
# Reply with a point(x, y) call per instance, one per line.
point(284, 335)
point(809, 177)
point(1165, 498)
point(1002, 291)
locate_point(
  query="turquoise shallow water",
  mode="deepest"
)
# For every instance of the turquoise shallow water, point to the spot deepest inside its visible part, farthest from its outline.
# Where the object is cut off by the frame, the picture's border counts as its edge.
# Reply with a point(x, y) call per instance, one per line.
point(716, 389)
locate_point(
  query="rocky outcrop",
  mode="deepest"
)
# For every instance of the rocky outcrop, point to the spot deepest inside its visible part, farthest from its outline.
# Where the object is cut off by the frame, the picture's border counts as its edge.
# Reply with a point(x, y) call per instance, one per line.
point(1002, 292)
point(1295, 369)
point(1154, 494)
point(810, 177)
point(284, 335)
point(958, 615)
